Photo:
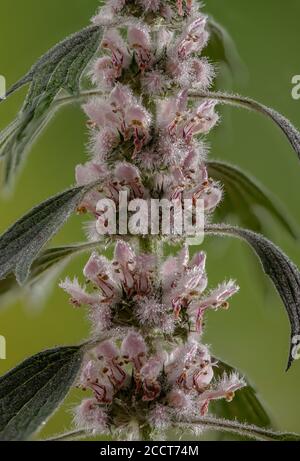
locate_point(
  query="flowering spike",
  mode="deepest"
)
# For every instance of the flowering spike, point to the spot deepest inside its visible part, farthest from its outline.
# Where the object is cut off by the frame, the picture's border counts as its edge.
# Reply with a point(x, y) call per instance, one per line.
point(145, 144)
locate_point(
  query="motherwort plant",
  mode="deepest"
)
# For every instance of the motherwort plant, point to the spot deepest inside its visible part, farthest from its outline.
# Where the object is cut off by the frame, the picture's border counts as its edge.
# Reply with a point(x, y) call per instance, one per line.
point(149, 106)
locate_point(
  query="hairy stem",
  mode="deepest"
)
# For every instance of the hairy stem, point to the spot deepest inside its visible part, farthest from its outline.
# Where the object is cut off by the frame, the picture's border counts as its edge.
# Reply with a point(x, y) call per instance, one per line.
point(72, 435)
point(61, 101)
point(235, 427)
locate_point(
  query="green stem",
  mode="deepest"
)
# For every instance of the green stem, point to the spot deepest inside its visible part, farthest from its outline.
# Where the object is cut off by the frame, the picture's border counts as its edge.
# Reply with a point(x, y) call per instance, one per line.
point(235, 427)
point(78, 98)
point(73, 435)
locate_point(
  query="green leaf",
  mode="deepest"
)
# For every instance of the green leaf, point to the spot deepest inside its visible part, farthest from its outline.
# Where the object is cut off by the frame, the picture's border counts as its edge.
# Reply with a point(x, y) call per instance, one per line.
point(21, 243)
point(221, 47)
point(282, 122)
point(47, 261)
point(245, 407)
point(242, 194)
point(60, 68)
point(33, 390)
point(42, 71)
point(283, 273)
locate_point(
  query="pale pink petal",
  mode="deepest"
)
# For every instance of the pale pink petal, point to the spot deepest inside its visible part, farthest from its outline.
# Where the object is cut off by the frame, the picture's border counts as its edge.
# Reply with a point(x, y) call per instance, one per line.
point(90, 415)
point(78, 294)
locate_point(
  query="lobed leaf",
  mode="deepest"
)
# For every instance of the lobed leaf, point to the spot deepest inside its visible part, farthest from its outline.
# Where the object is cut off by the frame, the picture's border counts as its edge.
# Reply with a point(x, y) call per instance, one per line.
point(282, 122)
point(283, 273)
point(242, 194)
point(33, 390)
point(22, 242)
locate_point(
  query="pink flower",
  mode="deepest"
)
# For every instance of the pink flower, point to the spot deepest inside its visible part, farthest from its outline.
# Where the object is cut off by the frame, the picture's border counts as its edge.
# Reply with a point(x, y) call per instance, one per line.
point(102, 142)
point(108, 12)
point(124, 264)
point(86, 174)
point(110, 354)
point(148, 375)
point(211, 196)
point(224, 389)
point(120, 114)
point(93, 378)
point(170, 112)
point(164, 39)
point(191, 284)
point(179, 399)
point(202, 73)
point(190, 367)
point(199, 261)
point(173, 268)
point(202, 121)
point(144, 273)
point(167, 12)
point(133, 119)
point(194, 38)
point(129, 175)
point(220, 295)
point(153, 314)
point(216, 299)
point(193, 166)
point(210, 193)
point(101, 115)
point(90, 172)
point(188, 4)
point(101, 318)
point(134, 349)
point(183, 282)
point(159, 417)
point(113, 41)
point(183, 124)
point(104, 73)
point(154, 82)
point(79, 295)
point(150, 5)
point(90, 415)
point(139, 40)
point(190, 73)
point(120, 98)
point(138, 120)
point(98, 271)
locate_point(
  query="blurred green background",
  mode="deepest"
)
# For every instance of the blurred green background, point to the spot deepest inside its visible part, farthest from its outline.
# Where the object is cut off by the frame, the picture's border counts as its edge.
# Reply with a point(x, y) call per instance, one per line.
point(253, 335)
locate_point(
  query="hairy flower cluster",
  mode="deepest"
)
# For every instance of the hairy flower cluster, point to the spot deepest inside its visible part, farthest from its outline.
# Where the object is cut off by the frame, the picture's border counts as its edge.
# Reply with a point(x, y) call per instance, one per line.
point(154, 390)
point(151, 368)
point(136, 290)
